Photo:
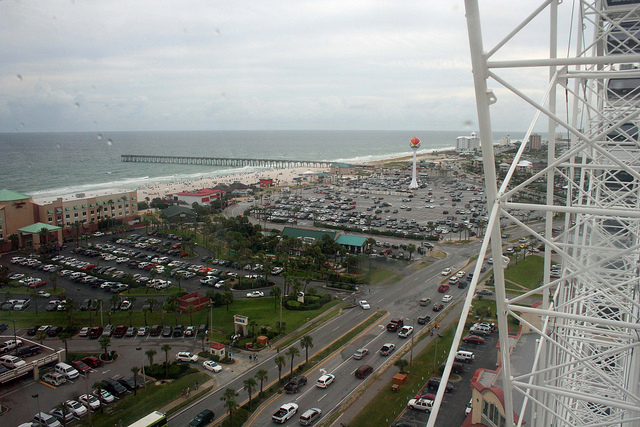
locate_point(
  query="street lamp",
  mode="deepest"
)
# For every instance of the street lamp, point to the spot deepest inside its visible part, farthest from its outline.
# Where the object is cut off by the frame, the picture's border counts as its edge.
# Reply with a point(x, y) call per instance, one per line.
point(411, 348)
point(144, 376)
point(35, 396)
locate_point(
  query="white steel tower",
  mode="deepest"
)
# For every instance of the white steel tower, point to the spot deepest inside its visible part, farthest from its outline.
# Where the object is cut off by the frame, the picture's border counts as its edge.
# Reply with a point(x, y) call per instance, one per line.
point(586, 369)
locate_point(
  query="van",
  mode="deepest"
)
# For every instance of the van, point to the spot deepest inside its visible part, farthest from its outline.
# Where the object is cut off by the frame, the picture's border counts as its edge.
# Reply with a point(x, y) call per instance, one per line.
point(54, 379)
point(464, 356)
point(67, 370)
point(155, 330)
point(363, 371)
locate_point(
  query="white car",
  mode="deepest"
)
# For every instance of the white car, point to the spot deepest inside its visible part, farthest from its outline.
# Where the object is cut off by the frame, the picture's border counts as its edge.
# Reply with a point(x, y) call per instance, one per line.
point(125, 305)
point(255, 294)
point(461, 274)
point(90, 401)
point(422, 404)
point(405, 331)
point(44, 294)
point(186, 356)
point(446, 271)
point(364, 304)
point(77, 408)
point(105, 396)
point(447, 298)
point(84, 331)
point(210, 365)
point(325, 380)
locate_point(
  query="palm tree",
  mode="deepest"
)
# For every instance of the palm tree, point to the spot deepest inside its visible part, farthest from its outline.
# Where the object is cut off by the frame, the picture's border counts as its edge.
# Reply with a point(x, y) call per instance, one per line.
point(166, 348)
point(105, 342)
point(227, 298)
point(411, 248)
point(280, 363)
point(292, 352)
point(98, 386)
point(190, 309)
point(306, 342)
point(262, 375)
point(134, 371)
point(150, 353)
point(151, 302)
point(401, 363)
point(145, 310)
point(276, 292)
point(202, 337)
point(179, 278)
point(53, 279)
point(132, 300)
point(65, 336)
point(64, 408)
point(249, 385)
point(229, 397)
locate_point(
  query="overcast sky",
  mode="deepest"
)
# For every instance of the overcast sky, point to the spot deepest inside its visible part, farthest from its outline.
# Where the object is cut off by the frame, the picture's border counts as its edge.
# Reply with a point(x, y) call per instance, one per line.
point(271, 64)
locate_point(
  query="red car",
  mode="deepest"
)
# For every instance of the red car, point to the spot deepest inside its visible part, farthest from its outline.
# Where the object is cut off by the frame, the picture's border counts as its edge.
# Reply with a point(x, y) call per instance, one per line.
point(386, 251)
point(473, 339)
point(92, 361)
point(443, 288)
point(437, 306)
point(80, 366)
point(119, 331)
point(94, 332)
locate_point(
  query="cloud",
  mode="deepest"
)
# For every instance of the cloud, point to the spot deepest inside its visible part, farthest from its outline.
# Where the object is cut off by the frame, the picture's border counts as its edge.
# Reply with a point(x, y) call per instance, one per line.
point(273, 64)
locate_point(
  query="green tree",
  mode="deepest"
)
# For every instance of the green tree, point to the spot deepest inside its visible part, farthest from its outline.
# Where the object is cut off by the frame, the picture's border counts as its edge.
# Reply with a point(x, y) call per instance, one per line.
point(64, 408)
point(276, 292)
point(249, 385)
point(134, 371)
point(105, 342)
point(227, 297)
point(229, 397)
point(53, 279)
point(98, 386)
point(65, 336)
point(150, 353)
point(262, 375)
point(411, 248)
point(280, 363)
point(306, 342)
point(401, 364)
point(166, 348)
point(292, 352)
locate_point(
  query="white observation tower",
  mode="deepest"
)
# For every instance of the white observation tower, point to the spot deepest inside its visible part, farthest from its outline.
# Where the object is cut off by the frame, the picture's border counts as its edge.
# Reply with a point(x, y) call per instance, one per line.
point(414, 143)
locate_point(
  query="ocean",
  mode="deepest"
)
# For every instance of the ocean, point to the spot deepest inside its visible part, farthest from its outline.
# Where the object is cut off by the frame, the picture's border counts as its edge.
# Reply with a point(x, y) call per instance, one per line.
point(53, 164)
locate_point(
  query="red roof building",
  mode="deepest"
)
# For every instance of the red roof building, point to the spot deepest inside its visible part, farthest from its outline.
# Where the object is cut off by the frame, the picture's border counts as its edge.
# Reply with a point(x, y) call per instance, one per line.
point(200, 197)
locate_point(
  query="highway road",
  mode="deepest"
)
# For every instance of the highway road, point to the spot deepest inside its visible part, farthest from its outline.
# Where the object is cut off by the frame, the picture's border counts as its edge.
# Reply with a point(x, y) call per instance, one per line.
point(400, 299)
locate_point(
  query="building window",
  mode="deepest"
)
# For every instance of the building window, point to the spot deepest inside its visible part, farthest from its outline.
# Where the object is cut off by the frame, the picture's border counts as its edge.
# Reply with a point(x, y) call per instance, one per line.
point(50, 219)
point(92, 212)
point(75, 215)
point(67, 216)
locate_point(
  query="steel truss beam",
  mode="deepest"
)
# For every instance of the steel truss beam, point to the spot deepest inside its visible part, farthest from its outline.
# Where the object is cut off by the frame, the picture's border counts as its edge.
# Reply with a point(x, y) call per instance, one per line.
point(586, 370)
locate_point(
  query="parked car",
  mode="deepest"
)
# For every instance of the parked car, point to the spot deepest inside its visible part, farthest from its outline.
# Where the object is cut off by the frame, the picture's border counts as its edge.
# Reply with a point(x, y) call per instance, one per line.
point(473, 339)
point(167, 331)
point(143, 331)
point(43, 419)
point(94, 332)
point(295, 383)
point(77, 408)
point(54, 379)
point(420, 404)
point(92, 361)
point(255, 294)
point(186, 356)
point(11, 362)
point(434, 383)
point(90, 401)
point(80, 366)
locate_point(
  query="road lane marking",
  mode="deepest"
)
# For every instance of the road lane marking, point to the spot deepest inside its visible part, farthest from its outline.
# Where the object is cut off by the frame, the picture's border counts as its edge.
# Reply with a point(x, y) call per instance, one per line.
point(323, 396)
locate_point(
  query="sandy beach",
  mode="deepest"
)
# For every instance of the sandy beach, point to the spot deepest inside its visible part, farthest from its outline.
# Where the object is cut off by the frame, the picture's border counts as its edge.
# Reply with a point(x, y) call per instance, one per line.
point(281, 178)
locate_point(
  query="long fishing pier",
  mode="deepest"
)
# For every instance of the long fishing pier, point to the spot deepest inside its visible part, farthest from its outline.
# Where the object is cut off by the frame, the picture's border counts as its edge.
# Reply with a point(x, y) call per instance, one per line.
point(222, 161)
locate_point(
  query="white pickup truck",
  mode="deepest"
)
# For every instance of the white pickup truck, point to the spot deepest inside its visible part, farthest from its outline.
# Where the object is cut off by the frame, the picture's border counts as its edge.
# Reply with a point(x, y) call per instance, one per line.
point(285, 412)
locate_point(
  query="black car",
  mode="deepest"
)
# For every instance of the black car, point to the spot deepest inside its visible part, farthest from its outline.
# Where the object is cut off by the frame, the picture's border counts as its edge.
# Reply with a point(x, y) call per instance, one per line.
point(54, 331)
point(167, 331)
point(434, 383)
point(4, 327)
point(423, 320)
point(178, 331)
point(202, 419)
point(127, 382)
point(114, 387)
point(202, 329)
point(31, 331)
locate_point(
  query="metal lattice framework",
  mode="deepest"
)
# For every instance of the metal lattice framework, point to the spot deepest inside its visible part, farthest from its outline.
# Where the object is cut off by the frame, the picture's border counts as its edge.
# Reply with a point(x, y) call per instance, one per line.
point(586, 370)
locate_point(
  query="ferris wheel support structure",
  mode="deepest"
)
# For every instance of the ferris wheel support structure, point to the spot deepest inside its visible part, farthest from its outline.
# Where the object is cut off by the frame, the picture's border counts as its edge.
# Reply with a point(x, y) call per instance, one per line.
point(586, 366)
